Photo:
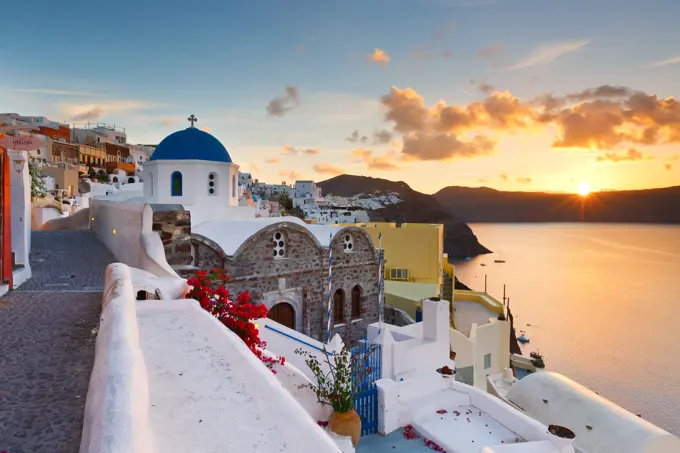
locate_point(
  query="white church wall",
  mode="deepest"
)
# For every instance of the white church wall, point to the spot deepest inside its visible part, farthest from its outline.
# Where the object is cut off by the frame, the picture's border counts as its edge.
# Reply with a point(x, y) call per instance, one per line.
point(195, 178)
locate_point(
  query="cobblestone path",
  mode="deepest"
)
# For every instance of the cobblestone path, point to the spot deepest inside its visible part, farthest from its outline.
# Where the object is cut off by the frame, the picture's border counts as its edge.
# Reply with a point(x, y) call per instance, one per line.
point(47, 343)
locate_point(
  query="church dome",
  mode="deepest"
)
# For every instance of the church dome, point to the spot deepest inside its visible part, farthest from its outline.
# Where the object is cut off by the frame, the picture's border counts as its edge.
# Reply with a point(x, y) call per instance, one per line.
point(191, 144)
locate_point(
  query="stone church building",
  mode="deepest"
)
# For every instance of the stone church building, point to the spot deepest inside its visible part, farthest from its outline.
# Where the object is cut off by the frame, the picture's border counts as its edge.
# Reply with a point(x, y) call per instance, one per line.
point(191, 184)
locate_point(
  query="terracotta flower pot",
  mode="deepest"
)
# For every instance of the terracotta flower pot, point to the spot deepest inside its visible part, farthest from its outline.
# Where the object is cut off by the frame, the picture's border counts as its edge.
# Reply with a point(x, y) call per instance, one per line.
point(346, 424)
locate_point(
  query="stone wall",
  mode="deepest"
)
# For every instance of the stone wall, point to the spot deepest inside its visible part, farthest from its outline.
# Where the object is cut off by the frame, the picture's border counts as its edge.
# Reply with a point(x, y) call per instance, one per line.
point(174, 229)
point(301, 279)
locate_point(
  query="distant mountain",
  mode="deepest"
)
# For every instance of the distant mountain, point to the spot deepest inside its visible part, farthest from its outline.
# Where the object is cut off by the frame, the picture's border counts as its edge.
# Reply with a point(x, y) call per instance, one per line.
point(630, 206)
point(415, 207)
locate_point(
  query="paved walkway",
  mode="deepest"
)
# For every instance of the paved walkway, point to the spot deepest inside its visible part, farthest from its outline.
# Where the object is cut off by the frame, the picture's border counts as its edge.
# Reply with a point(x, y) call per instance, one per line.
point(47, 343)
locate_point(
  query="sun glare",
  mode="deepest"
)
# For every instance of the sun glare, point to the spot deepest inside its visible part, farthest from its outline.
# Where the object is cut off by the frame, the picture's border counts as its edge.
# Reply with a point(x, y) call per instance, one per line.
point(583, 189)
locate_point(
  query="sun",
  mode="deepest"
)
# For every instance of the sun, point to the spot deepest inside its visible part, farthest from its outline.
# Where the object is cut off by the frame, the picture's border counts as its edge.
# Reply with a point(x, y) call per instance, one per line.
point(584, 189)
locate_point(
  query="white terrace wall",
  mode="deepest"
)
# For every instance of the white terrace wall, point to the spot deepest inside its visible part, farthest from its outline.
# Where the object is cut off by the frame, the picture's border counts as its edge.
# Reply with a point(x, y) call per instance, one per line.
point(117, 405)
point(490, 339)
point(423, 346)
point(126, 229)
point(402, 403)
point(283, 342)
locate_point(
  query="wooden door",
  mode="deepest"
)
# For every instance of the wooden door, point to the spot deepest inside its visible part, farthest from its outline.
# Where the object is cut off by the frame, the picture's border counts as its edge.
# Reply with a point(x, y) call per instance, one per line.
point(284, 314)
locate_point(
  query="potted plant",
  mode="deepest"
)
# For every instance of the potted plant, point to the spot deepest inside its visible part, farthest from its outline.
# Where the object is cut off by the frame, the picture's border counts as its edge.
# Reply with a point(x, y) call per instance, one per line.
point(446, 371)
point(563, 436)
point(338, 381)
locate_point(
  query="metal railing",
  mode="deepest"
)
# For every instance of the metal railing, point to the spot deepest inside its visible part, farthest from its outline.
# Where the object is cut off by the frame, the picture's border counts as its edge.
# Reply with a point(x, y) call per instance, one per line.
point(296, 339)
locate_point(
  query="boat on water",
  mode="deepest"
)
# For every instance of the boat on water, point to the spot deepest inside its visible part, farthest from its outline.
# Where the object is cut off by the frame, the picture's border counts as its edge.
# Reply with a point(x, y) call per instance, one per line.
point(499, 259)
point(523, 338)
point(483, 264)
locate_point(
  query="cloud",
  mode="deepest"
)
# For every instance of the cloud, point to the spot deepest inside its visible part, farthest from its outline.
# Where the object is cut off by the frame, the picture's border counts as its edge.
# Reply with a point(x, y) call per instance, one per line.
point(88, 115)
point(491, 51)
point(524, 180)
point(446, 54)
point(482, 180)
point(300, 48)
point(379, 56)
point(168, 121)
point(547, 53)
point(504, 177)
point(381, 163)
point(291, 150)
point(281, 105)
point(51, 92)
point(441, 132)
point(486, 88)
point(668, 167)
point(445, 146)
point(291, 175)
point(95, 111)
point(382, 136)
point(604, 118)
point(667, 61)
point(327, 169)
point(272, 160)
point(631, 156)
point(355, 137)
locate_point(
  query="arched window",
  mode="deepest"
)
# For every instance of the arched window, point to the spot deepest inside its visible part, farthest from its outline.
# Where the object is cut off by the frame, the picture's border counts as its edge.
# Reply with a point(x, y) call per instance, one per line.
point(212, 184)
point(356, 302)
point(339, 306)
point(233, 186)
point(176, 184)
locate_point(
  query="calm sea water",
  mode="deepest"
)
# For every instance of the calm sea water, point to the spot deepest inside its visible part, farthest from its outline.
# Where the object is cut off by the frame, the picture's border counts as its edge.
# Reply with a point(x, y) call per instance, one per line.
point(602, 302)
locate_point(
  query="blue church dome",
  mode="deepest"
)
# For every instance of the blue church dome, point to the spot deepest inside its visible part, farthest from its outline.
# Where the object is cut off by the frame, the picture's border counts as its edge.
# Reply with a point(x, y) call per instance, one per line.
point(191, 144)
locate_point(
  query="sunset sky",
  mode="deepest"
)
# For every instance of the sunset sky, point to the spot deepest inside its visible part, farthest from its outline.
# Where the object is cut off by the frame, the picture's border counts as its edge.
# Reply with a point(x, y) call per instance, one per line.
point(509, 94)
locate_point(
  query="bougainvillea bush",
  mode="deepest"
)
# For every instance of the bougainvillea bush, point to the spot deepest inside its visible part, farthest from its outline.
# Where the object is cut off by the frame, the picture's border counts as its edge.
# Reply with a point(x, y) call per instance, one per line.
point(238, 315)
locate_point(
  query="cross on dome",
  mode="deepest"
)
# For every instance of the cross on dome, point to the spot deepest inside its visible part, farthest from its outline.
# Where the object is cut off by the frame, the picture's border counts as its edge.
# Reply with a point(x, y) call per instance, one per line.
point(192, 119)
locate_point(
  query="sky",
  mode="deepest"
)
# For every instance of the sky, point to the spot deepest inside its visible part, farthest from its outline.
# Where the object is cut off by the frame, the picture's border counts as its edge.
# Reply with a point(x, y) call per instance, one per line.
point(531, 95)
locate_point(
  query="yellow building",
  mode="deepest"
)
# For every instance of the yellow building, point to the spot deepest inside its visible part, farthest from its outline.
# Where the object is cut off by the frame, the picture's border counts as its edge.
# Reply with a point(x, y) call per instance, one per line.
point(414, 262)
point(413, 251)
point(92, 156)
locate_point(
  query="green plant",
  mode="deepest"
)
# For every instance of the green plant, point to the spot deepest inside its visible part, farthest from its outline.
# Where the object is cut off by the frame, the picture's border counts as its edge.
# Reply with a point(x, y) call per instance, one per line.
point(37, 182)
point(346, 373)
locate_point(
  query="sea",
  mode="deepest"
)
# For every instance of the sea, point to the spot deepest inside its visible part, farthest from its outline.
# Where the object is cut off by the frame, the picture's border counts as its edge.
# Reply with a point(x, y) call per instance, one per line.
point(601, 302)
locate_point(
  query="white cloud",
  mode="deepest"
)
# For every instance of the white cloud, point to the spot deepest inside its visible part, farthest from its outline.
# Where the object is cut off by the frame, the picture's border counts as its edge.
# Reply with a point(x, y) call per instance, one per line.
point(93, 111)
point(667, 61)
point(547, 53)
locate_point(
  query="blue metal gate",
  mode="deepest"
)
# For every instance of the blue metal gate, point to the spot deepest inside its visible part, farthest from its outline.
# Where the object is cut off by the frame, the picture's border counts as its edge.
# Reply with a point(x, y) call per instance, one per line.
point(366, 400)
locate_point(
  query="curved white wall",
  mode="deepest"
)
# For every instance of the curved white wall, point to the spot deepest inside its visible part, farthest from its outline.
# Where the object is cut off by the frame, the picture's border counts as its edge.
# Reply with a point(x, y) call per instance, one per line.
point(121, 226)
point(552, 398)
point(116, 410)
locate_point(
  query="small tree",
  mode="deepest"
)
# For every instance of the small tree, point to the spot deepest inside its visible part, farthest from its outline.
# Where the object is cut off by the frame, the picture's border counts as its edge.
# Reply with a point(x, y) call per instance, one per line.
point(37, 182)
